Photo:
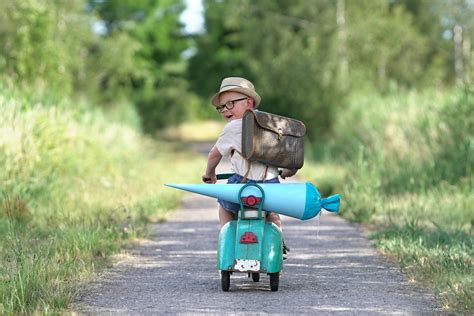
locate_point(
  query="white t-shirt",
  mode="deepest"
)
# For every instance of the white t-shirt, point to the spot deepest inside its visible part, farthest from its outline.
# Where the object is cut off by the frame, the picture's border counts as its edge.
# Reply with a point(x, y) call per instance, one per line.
point(230, 144)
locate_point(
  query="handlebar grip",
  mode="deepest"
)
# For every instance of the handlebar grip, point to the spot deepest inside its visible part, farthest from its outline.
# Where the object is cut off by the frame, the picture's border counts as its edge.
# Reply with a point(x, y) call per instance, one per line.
point(224, 176)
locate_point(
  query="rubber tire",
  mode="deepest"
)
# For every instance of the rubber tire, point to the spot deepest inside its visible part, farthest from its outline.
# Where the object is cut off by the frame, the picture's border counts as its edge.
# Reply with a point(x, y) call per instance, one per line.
point(225, 280)
point(274, 281)
point(256, 276)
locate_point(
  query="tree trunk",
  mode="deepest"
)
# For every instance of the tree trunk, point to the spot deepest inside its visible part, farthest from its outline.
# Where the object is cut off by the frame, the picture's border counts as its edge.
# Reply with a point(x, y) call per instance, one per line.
point(467, 58)
point(342, 44)
point(458, 54)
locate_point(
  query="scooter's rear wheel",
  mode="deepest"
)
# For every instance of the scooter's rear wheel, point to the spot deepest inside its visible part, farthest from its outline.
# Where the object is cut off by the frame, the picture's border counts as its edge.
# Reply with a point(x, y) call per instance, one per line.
point(256, 277)
point(274, 281)
point(225, 280)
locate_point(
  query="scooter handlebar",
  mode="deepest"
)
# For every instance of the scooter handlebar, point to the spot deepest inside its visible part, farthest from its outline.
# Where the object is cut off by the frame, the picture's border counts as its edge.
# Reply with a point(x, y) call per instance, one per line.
point(224, 176)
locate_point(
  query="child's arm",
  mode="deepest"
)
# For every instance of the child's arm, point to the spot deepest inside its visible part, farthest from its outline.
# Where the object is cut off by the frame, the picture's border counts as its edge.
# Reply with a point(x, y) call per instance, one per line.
point(213, 160)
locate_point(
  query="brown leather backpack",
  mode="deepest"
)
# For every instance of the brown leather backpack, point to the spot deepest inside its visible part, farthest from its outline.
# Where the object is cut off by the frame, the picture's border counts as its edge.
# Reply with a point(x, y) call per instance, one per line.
point(273, 139)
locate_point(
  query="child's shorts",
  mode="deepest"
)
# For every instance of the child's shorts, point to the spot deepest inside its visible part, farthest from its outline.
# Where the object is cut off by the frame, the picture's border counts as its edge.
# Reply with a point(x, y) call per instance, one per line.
point(236, 178)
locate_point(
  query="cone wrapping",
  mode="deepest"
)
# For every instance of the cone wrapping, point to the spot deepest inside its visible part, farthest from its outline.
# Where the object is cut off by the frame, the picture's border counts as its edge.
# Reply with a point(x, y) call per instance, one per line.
point(298, 200)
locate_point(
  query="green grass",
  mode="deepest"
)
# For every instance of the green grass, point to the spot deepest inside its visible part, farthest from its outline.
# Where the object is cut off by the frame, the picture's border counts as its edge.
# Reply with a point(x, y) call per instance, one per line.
point(328, 177)
point(403, 165)
point(442, 258)
point(76, 187)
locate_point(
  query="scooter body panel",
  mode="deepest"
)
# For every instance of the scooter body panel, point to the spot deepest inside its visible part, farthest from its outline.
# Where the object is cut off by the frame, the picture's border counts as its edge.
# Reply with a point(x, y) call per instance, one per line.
point(226, 246)
point(272, 261)
point(253, 249)
point(264, 255)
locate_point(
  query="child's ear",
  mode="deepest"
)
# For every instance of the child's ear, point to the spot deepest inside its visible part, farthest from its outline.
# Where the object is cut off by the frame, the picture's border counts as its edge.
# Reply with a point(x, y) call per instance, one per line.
point(250, 104)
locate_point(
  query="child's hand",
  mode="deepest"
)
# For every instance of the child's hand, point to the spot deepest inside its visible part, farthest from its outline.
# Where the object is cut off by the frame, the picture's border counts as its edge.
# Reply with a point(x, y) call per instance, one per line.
point(284, 173)
point(206, 178)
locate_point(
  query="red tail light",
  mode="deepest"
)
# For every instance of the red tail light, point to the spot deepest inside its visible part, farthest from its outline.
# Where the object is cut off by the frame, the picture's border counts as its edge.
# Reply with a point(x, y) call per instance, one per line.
point(248, 238)
point(251, 200)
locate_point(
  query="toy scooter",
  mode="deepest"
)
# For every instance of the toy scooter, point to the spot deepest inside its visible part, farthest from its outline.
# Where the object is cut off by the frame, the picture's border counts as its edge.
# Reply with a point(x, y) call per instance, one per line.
point(249, 244)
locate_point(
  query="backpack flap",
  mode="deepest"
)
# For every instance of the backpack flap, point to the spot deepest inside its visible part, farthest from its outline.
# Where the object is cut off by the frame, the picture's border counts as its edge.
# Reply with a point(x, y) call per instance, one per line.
point(273, 139)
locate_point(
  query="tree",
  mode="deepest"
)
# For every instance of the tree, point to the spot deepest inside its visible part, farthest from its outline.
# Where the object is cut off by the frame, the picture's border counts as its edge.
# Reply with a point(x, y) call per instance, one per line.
point(44, 43)
point(449, 29)
point(156, 76)
point(284, 47)
point(219, 51)
point(384, 46)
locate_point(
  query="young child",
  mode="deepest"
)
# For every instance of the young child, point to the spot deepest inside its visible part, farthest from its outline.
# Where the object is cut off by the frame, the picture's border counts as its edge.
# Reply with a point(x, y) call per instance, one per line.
point(236, 95)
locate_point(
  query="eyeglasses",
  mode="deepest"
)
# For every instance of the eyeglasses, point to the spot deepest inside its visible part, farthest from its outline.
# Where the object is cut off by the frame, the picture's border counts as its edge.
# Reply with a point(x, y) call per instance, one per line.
point(229, 105)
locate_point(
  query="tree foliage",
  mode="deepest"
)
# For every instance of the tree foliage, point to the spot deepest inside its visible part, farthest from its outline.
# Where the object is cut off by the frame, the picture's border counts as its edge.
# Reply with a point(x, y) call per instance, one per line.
point(288, 60)
point(305, 57)
point(219, 50)
point(43, 43)
point(156, 76)
point(105, 50)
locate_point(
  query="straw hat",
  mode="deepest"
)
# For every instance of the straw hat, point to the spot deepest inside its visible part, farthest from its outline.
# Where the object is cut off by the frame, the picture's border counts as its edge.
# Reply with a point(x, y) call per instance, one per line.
point(237, 84)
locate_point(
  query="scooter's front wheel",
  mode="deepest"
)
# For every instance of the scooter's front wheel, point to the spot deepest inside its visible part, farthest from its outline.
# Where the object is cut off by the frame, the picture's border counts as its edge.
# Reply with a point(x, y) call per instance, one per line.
point(274, 281)
point(225, 280)
point(256, 276)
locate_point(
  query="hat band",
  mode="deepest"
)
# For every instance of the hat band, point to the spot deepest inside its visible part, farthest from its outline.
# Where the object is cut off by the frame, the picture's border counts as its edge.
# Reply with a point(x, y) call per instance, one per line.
point(234, 85)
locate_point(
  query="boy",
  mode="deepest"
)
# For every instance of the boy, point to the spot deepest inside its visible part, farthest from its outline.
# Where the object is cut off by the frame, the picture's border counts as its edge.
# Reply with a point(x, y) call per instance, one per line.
point(237, 95)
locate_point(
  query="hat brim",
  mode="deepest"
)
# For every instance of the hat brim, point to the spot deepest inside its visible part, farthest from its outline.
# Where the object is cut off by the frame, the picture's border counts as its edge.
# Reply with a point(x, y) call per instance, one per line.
point(247, 92)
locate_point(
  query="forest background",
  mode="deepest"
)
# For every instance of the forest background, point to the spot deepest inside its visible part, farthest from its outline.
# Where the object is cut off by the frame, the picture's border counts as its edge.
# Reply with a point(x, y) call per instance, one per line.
point(88, 88)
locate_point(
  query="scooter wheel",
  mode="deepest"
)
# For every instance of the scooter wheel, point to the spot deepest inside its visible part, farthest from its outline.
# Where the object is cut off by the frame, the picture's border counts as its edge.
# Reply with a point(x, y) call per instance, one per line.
point(256, 277)
point(225, 280)
point(274, 281)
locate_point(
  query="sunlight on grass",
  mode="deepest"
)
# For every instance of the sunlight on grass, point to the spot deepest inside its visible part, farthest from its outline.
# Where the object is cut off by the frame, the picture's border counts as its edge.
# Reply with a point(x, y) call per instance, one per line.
point(407, 162)
point(439, 257)
point(195, 131)
point(76, 187)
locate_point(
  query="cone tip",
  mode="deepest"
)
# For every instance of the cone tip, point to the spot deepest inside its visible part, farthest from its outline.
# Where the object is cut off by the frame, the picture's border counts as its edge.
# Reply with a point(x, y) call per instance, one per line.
point(172, 185)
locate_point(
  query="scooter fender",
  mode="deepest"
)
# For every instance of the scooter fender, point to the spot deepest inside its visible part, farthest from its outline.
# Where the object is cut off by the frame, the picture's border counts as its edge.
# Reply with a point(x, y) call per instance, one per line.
point(272, 259)
point(226, 246)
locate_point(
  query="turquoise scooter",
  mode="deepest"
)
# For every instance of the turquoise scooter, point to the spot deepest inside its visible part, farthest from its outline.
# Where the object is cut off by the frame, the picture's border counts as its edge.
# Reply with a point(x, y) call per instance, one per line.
point(250, 244)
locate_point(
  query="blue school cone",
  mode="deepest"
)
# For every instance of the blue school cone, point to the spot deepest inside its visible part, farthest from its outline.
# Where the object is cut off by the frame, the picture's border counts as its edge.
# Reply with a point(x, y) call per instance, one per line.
point(298, 200)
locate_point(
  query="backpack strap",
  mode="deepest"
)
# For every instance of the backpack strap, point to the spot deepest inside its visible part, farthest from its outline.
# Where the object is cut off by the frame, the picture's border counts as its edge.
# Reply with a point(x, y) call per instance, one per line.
point(244, 179)
point(249, 165)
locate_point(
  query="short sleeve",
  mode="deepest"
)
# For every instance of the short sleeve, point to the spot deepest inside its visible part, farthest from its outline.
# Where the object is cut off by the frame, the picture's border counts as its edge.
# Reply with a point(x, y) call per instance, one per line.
point(230, 138)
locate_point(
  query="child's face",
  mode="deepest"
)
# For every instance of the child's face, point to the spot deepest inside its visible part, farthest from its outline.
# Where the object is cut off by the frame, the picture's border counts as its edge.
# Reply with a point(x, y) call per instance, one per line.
point(241, 104)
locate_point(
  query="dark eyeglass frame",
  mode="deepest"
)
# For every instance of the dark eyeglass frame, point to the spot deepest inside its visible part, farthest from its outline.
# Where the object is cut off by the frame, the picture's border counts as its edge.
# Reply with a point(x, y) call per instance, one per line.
point(229, 105)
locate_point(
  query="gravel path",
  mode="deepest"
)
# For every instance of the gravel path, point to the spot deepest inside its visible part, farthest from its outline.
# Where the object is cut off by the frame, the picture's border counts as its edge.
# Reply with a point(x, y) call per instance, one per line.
point(332, 268)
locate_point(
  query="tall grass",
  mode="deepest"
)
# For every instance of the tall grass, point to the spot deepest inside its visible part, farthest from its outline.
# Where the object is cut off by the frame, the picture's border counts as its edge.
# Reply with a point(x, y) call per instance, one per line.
point(76, 186)
point(408, 162)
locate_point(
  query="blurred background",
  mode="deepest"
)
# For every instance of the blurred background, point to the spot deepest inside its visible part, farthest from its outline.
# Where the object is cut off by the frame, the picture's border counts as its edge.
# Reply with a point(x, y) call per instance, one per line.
point(92, 91)
point(164, 59)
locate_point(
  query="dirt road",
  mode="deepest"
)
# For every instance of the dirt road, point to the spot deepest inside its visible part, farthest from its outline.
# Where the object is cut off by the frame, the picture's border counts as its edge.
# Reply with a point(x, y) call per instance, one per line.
point(332, 268)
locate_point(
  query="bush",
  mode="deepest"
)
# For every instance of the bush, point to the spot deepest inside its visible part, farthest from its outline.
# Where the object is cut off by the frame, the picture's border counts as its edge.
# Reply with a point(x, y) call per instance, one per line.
point(76, 186)
point(409, 160)
point(411, 141)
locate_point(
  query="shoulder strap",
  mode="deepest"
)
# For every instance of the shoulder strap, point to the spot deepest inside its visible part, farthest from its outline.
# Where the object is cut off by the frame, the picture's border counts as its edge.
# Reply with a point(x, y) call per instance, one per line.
point(244, 179)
